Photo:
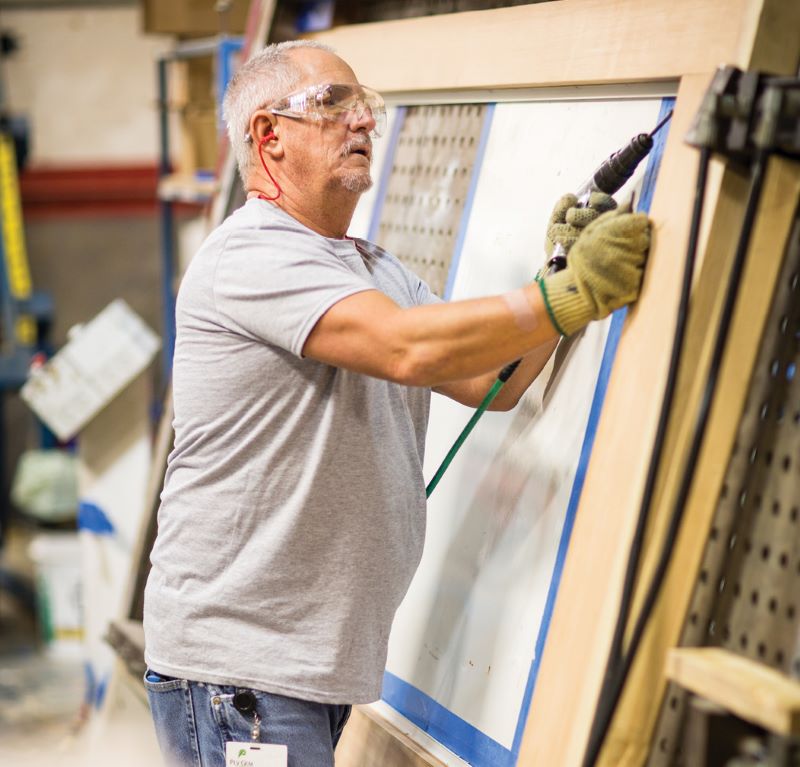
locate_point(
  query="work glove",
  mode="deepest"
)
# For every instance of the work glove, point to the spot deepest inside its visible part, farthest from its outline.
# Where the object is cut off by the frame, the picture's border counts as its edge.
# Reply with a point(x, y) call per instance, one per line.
point(567, 220)
point(603, 273)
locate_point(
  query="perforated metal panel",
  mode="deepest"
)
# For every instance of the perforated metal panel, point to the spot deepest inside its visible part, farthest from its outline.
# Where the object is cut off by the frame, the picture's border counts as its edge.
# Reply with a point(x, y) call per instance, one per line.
point(747, 597)
point(428, 186)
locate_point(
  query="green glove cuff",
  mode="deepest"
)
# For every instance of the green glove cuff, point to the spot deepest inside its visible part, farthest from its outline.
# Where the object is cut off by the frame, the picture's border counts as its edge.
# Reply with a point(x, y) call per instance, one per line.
point(568, 310)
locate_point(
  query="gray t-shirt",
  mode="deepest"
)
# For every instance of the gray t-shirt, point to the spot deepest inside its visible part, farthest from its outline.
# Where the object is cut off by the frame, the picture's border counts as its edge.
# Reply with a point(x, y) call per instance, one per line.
point(293, 513)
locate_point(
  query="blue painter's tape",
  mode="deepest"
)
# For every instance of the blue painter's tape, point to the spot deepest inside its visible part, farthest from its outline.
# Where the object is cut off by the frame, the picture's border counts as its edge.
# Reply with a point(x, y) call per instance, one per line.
point(467, 212)
point(612, 342)
point(614, 333)
point(443, 725)
point(654, 160)
point(386, 173)
point(94, 519)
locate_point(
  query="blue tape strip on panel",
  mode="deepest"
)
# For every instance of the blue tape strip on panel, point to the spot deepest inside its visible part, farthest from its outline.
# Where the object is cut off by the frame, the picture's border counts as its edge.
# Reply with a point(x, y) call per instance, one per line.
point(443, 725)
point(386, 172)
point(614, 333)
point(465, 214)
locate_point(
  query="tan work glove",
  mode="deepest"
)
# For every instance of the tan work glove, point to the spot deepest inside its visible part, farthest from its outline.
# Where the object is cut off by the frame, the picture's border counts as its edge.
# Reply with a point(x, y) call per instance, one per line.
point(603, 273)
point(567, 221)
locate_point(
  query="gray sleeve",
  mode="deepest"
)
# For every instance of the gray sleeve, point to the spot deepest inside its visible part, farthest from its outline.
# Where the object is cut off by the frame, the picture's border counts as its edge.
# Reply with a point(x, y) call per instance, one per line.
point(275, 285)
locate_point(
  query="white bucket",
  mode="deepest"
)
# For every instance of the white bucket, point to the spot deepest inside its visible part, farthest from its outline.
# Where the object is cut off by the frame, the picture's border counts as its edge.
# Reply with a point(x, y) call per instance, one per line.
point(57, 562)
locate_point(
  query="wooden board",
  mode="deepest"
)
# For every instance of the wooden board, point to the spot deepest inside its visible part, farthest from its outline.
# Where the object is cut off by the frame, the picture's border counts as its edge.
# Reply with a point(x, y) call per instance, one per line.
point(569, 42)
point(602, 536)
point(749, 689)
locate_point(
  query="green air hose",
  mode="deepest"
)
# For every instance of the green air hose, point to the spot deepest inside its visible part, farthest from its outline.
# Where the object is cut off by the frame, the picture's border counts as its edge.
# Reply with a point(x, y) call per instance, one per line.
point(505, 374)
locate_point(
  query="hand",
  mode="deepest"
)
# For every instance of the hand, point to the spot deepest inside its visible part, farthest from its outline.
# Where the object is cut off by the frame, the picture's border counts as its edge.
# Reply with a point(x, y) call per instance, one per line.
point(567, 220)
point(604, 271)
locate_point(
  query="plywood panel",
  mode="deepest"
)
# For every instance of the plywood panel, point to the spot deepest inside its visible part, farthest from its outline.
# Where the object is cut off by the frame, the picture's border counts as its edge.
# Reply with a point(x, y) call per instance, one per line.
point(557, 43)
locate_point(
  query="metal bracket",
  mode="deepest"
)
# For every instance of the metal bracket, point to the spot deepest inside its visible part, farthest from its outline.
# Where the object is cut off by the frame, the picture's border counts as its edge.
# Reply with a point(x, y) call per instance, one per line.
point(746, 112)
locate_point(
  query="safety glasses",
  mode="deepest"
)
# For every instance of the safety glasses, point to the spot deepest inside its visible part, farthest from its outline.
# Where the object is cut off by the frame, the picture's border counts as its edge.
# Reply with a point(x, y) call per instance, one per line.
point(334, 102)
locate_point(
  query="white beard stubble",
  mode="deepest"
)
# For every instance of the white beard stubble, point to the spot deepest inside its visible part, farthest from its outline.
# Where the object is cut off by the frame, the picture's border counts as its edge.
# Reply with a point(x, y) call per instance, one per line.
point(358, 180)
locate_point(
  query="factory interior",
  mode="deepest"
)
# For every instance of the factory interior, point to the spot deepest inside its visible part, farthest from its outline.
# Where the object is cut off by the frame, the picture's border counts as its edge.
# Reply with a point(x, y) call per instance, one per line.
point(610, 574)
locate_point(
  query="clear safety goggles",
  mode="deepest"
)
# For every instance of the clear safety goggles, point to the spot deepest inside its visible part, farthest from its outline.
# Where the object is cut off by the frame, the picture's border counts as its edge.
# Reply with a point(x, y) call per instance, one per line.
point(334, 102)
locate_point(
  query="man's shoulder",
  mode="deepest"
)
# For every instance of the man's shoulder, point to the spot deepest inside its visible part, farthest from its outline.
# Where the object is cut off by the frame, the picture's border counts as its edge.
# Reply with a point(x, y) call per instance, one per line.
point(256, 216)
point(261, 222)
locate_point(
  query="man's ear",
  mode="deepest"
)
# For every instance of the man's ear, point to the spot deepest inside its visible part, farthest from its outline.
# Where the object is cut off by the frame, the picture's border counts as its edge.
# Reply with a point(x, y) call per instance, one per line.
point(262, 130)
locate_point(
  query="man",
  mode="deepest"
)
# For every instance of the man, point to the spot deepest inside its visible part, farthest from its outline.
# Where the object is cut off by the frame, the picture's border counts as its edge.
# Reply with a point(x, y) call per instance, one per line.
point(293, 512)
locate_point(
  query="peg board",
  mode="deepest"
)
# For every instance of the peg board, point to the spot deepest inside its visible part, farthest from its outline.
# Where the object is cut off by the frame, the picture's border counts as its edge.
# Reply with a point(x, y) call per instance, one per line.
point(427, 190)
point(747, 595)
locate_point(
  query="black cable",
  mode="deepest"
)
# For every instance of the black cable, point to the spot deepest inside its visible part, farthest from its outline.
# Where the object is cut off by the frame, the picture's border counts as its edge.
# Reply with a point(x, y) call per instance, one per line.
point(732, 293)
point(619, 666)
point(605, 701)
point(666, 405)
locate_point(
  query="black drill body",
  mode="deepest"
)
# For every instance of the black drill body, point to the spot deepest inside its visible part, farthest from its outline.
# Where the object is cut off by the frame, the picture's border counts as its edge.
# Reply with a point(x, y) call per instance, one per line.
point(612, 174)
point(609, 178)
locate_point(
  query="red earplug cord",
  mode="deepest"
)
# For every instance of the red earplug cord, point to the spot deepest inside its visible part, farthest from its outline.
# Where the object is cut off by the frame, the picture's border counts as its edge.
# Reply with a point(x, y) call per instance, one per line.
point(261, 143)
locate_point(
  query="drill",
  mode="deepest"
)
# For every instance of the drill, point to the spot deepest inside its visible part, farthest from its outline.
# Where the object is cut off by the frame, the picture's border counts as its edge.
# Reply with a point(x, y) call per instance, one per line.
point(610, 177)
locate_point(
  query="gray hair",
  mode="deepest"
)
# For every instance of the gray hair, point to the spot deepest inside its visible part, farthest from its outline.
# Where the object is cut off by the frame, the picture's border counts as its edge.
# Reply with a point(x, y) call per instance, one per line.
point(265, 78)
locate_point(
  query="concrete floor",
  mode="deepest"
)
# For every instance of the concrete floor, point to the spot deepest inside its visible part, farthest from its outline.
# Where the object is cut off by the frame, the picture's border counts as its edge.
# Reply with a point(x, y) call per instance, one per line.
point(41, 693)
point(44, 721)
point(40, 707)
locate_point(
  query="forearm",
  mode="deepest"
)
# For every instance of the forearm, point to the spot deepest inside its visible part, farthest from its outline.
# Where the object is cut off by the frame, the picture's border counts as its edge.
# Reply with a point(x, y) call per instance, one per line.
point(525, 374)
point(472, 391)
point(442, 343)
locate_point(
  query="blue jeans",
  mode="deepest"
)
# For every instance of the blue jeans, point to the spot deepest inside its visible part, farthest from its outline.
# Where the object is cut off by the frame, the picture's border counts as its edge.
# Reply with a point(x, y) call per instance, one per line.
point(194, 721)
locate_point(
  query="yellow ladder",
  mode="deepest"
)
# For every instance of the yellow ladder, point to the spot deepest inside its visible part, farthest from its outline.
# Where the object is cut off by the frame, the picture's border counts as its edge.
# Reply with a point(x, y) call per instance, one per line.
point(13, 243)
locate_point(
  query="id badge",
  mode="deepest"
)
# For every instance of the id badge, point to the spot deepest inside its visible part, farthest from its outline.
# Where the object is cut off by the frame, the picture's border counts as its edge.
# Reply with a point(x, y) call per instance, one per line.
point(255, 755)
